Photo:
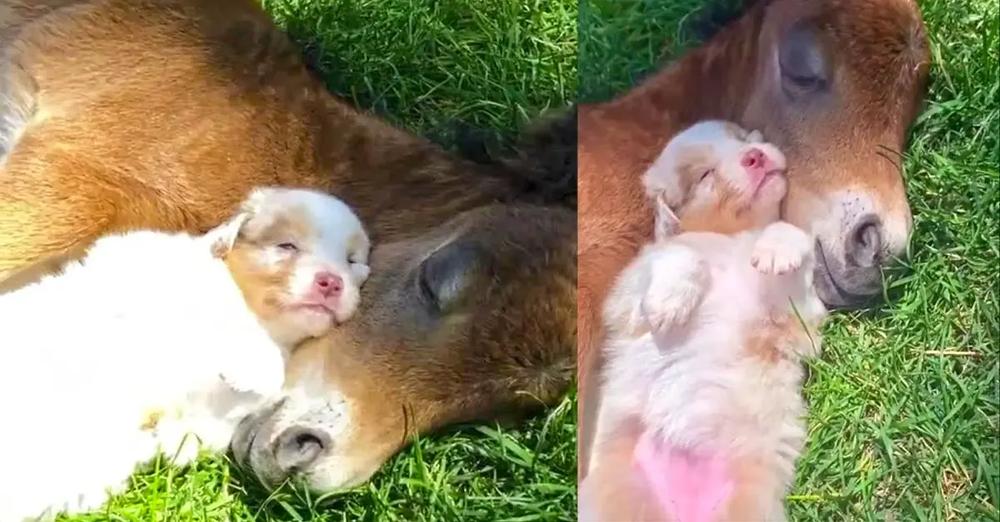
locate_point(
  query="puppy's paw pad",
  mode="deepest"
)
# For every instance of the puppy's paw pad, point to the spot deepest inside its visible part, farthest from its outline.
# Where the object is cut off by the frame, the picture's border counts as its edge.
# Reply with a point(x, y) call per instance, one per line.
point(781, 248)
point(775, 258)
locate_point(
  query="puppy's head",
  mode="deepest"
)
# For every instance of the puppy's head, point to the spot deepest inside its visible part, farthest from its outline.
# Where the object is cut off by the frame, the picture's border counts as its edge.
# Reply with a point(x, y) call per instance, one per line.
point(718, 177)
point(299, 257)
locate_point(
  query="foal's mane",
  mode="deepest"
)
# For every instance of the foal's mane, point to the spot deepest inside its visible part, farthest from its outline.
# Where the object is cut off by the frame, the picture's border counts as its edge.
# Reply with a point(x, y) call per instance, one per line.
point(715, 15)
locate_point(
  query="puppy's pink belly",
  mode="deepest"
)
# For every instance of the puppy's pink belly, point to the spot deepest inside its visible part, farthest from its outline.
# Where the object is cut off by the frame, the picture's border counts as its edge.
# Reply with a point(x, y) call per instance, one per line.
point(691, 487)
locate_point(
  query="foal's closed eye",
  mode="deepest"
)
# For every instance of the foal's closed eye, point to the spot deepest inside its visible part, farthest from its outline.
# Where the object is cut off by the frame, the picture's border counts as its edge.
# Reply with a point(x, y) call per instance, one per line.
point(290, 247)
point(706, 174)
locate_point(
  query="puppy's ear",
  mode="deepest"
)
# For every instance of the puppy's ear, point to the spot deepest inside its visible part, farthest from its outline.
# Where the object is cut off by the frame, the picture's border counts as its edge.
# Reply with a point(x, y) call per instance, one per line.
point(666, 223)
point(222, 238)
point(664, 191)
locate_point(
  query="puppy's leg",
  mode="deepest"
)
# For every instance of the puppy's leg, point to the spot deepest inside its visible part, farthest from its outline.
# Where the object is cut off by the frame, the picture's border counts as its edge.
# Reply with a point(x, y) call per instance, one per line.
point(781, 248)
point(658, 292)
point(759, 493)
point(678, 280)
point(614, 489)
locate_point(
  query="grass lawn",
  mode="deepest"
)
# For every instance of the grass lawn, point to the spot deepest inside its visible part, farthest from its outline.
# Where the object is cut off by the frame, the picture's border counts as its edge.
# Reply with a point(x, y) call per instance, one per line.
point(422, 64)
point(897, 432)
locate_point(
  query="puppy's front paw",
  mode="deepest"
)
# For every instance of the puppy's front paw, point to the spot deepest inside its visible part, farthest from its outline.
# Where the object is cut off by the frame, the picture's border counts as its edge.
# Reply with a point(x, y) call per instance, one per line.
point(775, 258)
point(675, 289)
point(781, 248)
point(664, 311)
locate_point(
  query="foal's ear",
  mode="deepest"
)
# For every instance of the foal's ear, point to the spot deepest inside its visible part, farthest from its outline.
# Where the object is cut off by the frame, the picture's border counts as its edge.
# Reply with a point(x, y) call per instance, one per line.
point(445, 277)
point(222, 238)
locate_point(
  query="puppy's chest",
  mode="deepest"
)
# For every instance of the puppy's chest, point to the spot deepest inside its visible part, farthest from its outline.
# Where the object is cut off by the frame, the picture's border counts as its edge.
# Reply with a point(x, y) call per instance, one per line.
point(744, 314)
point(735, 293)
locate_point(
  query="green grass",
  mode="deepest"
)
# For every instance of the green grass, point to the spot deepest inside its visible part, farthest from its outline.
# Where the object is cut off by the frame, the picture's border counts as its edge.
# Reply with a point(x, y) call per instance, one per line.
point(896, 432)
point(482, 473)
point(424, 65)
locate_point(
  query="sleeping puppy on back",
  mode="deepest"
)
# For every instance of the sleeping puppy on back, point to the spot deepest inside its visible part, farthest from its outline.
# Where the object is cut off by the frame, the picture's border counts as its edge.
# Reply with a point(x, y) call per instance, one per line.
point(701, 413)
point(160, 341)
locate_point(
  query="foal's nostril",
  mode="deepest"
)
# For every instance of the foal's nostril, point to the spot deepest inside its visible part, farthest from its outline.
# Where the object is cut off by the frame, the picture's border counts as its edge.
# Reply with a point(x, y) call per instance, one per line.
point(297, 448)
point(869, 237)
point(864, 243)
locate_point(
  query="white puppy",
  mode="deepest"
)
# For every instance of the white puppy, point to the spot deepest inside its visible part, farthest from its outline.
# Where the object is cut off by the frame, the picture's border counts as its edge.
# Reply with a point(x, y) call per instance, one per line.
point(701, 412)
point(154, 339)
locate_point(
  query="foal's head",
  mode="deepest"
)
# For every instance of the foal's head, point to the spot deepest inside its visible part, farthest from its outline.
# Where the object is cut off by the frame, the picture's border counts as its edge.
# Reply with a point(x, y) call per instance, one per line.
point(835, 85)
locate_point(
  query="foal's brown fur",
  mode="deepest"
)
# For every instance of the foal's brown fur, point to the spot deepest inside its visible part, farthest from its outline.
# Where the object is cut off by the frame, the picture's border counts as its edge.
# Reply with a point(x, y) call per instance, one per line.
point(843, 140)
point(156, 117)
point(163, 114)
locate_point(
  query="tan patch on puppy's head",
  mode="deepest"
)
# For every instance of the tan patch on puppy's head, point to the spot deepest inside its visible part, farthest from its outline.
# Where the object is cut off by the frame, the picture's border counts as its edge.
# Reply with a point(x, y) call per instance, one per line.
point(703, 176)
point(713, 210)
point(263, 285)
point(298, 256)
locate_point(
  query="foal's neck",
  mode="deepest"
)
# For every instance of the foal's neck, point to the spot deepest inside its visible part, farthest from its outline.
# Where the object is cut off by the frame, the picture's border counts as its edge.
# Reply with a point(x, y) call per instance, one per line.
point(710, 82)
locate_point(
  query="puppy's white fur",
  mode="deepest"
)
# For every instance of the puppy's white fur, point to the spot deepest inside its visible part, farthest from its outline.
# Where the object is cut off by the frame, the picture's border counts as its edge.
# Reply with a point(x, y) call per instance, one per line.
point(682, 362)
point(148, 324)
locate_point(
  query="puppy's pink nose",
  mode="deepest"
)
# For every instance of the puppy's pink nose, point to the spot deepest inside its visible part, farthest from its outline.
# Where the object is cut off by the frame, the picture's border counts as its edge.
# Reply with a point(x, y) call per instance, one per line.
point(754, 159)
point(328, 285)
point(758, 164)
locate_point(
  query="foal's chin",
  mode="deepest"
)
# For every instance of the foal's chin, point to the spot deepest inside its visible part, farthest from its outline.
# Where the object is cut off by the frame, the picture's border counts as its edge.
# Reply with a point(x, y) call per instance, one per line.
point(309, 439)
